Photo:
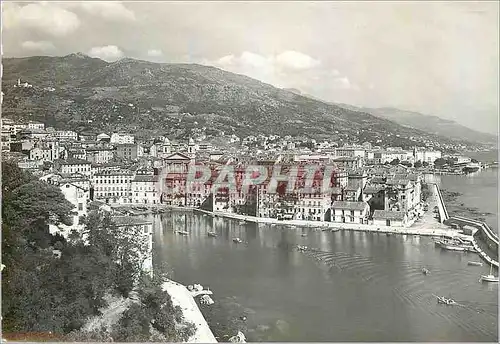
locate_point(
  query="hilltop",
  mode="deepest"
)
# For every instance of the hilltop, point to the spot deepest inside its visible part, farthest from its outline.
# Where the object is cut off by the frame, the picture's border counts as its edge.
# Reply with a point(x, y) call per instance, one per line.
point(180, 100)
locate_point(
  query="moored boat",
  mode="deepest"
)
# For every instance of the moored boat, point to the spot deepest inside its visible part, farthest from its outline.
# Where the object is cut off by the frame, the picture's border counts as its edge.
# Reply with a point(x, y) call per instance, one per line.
point(490, 277)
point(183, 232)
point(242, 222)
point(303, 235)
point(475, 263)
point(237, 240)
point(426, 271)
point(452, 247)
point(212, 234)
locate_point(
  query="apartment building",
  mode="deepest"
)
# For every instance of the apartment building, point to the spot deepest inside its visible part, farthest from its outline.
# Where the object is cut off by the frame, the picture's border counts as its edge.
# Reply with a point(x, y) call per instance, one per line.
point(113, 186)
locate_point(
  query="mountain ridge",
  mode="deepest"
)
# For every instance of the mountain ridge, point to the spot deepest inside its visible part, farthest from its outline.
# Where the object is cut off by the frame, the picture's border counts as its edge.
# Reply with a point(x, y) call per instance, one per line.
point(181, 100)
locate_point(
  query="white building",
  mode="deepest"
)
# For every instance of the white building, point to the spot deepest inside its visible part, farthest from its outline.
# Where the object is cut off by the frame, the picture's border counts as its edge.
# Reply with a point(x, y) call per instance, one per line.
point(41, 153)
point(103, 137)
point(79, 197)
point(389, 218)
point(113, 186)
point(145, 189)
point(119, 138)
point(36, 125)
point(426, 155)
point(66, 135)
point(350, 212)
point(72, 165)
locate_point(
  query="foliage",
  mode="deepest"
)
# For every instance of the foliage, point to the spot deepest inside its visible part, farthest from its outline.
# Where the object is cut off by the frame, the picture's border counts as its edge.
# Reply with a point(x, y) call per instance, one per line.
point(425, 164)
point(395, 162)
point(41, 293)
point(154, 313)
point(417, 164)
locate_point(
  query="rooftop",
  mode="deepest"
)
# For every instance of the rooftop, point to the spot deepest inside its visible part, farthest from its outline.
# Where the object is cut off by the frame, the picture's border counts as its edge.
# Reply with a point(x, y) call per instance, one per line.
point(73, 161)
point(388, 215)
point(349, 205)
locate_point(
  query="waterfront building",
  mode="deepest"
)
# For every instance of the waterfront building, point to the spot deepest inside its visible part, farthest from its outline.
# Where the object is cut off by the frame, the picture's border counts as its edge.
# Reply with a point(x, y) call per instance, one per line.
point(113, 186)
point(428, 156)
point(389, 218)
point(350, 212)
point(145, 189)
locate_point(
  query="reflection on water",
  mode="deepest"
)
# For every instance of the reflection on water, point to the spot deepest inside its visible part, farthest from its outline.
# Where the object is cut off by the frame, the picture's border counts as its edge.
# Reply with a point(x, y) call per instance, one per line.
point(352, 287)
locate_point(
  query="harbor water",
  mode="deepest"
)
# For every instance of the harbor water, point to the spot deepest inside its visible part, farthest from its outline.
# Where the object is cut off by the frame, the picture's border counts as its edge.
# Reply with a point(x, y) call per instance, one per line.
point(350, 286)
point(473, 195)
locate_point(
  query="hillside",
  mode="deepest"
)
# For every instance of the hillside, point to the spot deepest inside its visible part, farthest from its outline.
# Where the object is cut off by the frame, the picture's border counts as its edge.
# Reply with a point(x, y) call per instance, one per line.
point(427, 123)
point(181, 100)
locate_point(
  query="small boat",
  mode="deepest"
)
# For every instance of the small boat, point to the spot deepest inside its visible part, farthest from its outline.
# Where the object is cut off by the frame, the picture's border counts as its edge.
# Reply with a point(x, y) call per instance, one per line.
point(303, 235)
point(242, 222)
point(475, 263)
point(301, 248)
point(388, 234)
point(426, 271)
point(212, 234)
point(206, 300)
point(445, 301)
point(451, 247)
point(237, 240)
point(490, 277)
point(183, 232)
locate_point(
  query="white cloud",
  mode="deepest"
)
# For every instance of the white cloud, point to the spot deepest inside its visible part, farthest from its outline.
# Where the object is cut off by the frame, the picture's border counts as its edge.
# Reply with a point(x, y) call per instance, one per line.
point(276, 69)
point(155, 53)
point(38, 45)
point(43, 16)
point(110, 10)
point(254, 60)
point(226, 60)
point(345, 84)
point(296, 60)
point(108, 53)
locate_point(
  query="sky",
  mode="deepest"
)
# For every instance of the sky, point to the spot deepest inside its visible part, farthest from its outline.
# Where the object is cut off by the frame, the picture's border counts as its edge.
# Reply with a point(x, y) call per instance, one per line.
point(437, 58)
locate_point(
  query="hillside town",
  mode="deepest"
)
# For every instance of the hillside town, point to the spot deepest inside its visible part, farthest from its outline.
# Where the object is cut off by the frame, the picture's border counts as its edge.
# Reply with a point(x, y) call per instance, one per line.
point(369, 184)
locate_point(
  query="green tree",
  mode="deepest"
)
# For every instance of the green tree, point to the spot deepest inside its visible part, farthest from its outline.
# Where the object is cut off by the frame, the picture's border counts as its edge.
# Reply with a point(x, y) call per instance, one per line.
point(440, 162)
point(417, 164)
point(395, 162)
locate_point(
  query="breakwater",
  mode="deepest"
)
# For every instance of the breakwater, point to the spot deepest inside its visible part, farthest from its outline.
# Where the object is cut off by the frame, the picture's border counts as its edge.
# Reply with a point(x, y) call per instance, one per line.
point(485, 241)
